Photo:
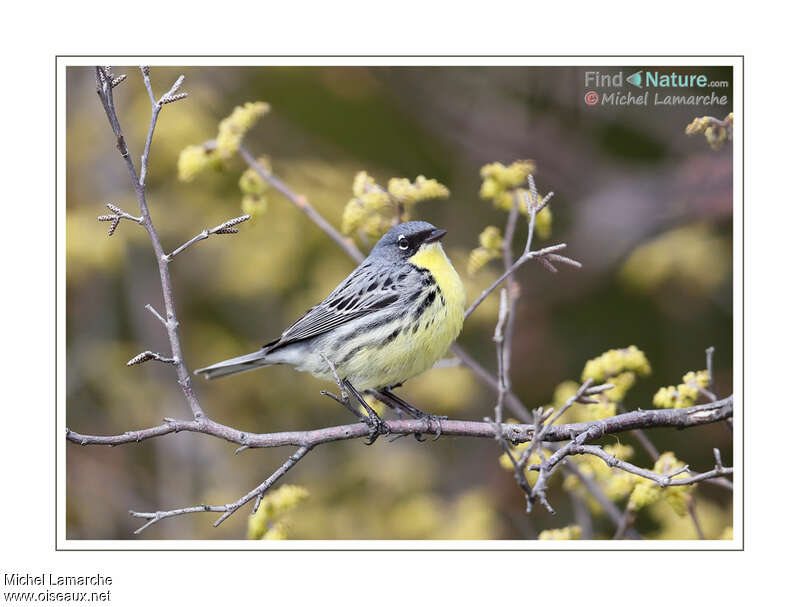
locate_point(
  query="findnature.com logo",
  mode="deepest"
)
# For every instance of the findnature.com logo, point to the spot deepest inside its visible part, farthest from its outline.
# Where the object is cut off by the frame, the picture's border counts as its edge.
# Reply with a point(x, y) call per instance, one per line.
point(652, 79)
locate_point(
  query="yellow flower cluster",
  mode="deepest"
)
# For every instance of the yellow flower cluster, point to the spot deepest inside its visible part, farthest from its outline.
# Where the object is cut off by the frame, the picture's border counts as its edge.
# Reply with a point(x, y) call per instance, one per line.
point(501, 184)
point(716, 134)
point(254, 189)
point(374, 209)
point(409, 193)
point(233, 128)
point(195, 159)
point(619, 367)
point(685, 394)
point(573, 532)
point(615, 483)
point(614, 362)
point(622, 383)
point(263, 524)
point(646, 492)
point(499, 180)
point(544, 222)
point(491, 242)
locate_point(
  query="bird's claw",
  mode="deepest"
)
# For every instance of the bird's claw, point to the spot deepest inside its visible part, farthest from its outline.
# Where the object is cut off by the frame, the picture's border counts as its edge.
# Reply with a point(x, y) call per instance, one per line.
point(431, 419)
point(376, 426)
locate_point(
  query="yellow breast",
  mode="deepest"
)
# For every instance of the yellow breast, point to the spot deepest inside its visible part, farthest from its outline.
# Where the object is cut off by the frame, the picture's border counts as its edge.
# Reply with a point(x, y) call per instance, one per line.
point(433, 258)
point(446, 321)
point(421, 341)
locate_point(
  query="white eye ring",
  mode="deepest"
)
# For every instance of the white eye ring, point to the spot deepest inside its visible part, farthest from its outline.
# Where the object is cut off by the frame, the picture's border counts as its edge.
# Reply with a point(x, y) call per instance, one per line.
point(402, 242)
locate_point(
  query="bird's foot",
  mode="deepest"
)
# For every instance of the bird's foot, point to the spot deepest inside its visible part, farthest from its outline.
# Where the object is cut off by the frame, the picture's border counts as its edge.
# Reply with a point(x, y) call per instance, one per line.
point(433, 421)
point(399, 404)
point(376, 426)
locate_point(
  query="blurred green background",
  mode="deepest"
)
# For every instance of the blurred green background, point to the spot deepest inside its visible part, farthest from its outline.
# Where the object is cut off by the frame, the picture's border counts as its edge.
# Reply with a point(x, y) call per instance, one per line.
point(647, 210)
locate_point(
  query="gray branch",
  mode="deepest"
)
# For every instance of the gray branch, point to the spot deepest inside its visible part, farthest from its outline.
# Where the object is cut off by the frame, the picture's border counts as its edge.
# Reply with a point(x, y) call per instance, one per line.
point(223, 228)
point(227, 509)
point(512, 433)
point(105, 91)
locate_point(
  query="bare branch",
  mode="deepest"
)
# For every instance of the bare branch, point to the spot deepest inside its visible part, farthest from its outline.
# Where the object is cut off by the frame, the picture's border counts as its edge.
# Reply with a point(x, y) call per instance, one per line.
point(502, 373)
point(118, 215)
point(514, 433)
point(582, 396)
point(614, 513)
point(546, 256)
point(663, 480)
point(223, 228)
point(227, 509)
point(106, 94)
point(155, 313)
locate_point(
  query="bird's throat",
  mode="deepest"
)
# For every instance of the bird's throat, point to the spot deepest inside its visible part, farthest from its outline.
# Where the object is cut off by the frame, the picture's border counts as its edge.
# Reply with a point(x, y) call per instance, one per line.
point(431, 256)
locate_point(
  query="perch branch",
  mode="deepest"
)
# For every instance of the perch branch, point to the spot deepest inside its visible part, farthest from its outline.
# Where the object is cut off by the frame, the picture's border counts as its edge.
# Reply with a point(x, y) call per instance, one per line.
point(514, 433)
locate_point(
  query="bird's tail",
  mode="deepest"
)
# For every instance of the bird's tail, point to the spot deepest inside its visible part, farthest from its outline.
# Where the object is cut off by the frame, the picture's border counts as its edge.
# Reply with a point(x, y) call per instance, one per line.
point(248, 362)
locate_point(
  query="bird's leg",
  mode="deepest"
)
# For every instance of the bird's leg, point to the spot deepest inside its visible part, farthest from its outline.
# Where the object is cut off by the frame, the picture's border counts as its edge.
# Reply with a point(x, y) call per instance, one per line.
point(415, 413)
point(388, 402)
point(376, 424)
point(345, 402)
point(344, 388)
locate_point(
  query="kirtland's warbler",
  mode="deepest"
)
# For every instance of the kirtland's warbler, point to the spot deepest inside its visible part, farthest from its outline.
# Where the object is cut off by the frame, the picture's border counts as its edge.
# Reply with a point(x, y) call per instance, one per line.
point(390, 320)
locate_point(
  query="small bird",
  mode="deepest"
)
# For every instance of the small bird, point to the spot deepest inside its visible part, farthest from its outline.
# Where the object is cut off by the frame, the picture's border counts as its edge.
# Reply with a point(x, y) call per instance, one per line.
point(391, 319)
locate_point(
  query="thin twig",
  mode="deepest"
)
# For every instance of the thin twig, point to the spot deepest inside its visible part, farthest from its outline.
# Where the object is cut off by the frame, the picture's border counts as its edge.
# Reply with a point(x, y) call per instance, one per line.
point(499, 340)
point(155, 313)
point(228, 509)
point(223, 228)
point(513, 290)
point(663, 480)
point(614, 513)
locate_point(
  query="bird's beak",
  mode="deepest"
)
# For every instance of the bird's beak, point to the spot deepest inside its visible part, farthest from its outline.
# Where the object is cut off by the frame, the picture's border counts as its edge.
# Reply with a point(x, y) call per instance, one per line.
point(436, 235)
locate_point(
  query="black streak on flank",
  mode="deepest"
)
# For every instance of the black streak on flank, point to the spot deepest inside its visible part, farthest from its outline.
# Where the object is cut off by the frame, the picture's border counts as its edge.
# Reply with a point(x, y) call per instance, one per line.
point(425, 304)
point(391, 337)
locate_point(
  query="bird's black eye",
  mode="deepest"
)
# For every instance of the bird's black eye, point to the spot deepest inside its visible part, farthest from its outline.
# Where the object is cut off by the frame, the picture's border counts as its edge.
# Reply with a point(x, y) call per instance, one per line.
point(402, 242)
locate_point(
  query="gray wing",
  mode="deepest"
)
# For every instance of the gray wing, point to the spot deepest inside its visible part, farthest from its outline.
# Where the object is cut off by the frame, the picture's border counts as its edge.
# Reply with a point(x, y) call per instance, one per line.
point(364, 292)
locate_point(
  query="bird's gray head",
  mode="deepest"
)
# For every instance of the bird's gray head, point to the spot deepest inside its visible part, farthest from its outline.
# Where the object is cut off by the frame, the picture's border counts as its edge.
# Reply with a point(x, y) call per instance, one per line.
point(405, 239)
